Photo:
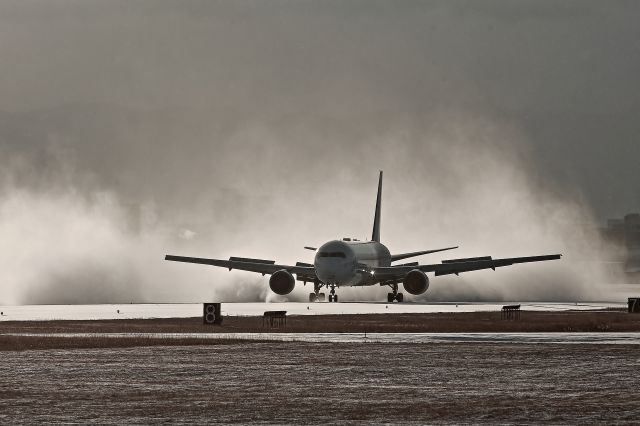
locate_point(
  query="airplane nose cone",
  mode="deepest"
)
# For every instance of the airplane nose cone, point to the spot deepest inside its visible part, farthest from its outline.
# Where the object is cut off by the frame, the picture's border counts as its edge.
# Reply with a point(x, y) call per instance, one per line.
point(334, 263)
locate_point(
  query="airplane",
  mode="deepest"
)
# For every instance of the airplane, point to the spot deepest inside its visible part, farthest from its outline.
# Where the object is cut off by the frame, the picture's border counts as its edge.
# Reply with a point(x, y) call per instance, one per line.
point(353, 263)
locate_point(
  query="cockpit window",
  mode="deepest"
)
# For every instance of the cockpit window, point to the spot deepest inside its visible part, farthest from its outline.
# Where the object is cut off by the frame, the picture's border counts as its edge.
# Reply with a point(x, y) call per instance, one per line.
point(331, 254)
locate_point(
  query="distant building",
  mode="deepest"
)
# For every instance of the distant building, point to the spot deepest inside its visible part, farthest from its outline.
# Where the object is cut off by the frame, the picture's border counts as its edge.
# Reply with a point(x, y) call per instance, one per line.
point(632, 241)
point(626, 233)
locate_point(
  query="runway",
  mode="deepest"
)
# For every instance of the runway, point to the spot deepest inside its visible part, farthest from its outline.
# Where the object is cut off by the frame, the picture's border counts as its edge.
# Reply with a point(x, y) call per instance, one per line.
point(431, 338)
point(187, 310)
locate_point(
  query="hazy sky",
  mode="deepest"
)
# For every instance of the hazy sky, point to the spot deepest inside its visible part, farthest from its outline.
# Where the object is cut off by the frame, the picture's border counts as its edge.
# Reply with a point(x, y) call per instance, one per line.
point(257, 124)
point(565, 72)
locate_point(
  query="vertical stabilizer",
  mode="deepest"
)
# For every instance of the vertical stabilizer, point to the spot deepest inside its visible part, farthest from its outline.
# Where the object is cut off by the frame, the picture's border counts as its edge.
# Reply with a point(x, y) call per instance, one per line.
point(376, 221)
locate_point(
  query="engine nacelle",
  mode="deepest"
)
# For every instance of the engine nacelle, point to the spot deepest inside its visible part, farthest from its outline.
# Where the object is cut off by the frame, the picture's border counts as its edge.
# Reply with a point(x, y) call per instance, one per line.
point(282, 282)
point(416, 282)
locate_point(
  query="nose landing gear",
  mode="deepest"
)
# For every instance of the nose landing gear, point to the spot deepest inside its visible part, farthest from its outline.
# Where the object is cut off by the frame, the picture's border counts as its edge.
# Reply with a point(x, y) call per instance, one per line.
point(395, 295)
point(333, 297)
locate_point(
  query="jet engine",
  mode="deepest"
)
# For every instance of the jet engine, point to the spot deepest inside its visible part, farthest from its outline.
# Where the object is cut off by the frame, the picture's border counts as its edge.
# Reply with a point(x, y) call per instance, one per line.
point(416, 282)
point(282, 282)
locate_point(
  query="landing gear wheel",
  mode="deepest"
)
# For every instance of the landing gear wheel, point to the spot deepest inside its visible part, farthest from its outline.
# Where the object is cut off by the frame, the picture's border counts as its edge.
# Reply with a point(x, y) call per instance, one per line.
point(321, 297)
point(333, 297)
point(399, 297)
point(394, 295)
point(312, 297)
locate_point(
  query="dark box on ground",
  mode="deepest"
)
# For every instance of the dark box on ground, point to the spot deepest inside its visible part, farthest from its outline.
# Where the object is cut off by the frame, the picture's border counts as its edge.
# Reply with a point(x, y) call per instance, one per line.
point(212, 313)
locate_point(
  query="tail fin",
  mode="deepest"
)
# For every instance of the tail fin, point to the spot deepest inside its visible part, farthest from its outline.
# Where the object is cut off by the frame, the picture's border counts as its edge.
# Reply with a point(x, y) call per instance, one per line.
point(376, 221)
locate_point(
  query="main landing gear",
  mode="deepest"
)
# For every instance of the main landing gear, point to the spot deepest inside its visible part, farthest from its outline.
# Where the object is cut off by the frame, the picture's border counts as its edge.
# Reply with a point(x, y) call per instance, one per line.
point(395, 295)
point(316, 296)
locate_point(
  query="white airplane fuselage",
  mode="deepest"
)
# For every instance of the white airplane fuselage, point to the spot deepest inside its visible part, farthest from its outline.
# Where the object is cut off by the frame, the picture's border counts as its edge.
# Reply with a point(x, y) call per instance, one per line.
point(347, 263)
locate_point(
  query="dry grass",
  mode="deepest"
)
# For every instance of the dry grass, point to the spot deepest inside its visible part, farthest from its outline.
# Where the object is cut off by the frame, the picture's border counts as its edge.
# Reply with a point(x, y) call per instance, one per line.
point(602, 321)
point(22, 343)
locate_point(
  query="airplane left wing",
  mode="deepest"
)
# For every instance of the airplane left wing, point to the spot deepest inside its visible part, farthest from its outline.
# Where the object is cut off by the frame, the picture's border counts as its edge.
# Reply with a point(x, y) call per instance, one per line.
point(456, 266)
point(244, 264)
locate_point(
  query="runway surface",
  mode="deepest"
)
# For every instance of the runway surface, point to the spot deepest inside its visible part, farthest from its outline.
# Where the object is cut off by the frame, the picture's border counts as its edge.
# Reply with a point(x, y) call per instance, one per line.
point(510, 338)
point(187, 310)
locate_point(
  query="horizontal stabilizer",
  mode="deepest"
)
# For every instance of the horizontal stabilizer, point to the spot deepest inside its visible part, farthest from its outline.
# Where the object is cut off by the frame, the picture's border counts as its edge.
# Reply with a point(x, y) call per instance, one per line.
point(401, 256)
point(306, 265)
point(310, 248)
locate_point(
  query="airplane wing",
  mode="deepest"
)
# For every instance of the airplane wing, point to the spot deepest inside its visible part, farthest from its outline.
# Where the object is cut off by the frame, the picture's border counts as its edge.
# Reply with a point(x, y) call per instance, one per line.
point(456, 266)
point(252, 265)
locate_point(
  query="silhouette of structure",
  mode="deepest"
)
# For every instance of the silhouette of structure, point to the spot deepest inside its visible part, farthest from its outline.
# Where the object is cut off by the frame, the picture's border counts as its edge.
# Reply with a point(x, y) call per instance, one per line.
point(275, 319)
point(510, 312)
point(626, 233)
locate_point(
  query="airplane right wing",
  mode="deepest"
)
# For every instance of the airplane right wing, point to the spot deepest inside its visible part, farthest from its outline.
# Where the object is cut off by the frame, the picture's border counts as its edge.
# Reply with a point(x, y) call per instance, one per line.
point(456, 266)
point(245, 264)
